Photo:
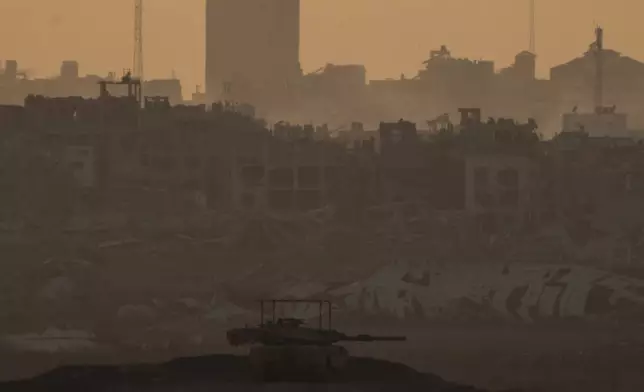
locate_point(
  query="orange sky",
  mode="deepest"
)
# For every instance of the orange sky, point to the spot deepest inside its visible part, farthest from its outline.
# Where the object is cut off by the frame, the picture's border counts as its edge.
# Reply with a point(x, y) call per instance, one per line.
point(388, 36)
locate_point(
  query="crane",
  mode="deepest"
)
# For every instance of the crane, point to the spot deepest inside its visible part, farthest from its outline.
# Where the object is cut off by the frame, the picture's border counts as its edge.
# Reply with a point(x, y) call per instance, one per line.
point(138, 39)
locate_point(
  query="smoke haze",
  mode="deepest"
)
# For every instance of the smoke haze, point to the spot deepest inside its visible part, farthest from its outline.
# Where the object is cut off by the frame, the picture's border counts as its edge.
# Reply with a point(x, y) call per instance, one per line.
point(388, 36)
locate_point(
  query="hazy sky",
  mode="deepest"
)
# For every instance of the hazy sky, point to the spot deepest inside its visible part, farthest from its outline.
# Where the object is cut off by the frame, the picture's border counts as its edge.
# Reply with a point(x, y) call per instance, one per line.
point(388, 36)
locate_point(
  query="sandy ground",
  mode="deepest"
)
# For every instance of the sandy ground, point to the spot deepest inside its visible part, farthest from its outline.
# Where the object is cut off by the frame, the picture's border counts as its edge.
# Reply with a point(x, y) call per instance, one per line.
point(563, 357)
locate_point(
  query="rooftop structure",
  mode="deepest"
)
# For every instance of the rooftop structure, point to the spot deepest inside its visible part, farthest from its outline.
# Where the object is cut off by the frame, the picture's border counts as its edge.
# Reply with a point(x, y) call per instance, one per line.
point(442, 66)
point(603, 122)
point(16, 85)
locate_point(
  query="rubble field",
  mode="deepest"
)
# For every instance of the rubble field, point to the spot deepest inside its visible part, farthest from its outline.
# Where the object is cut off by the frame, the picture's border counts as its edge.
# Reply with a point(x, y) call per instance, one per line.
point(496, 316)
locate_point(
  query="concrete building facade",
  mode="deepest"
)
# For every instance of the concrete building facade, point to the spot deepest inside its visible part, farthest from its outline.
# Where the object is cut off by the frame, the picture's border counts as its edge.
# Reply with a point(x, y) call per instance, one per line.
point(501, 187)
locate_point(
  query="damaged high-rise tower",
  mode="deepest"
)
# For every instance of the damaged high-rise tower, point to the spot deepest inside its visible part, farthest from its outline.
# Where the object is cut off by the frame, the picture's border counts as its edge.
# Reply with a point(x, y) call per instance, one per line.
point(252, 49)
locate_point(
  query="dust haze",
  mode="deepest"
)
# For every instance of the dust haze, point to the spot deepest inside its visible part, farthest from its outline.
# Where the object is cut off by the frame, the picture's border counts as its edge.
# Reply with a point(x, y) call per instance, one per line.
point(302, 194)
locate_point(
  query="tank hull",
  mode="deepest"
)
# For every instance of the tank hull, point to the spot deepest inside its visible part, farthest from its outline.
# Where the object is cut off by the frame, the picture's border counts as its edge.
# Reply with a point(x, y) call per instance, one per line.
point(297, 362)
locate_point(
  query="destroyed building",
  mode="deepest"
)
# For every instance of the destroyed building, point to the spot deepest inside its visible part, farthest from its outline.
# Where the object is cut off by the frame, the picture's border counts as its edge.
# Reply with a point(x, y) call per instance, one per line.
point(596, 161)
point(622, 79)
point(488, 169)
point(223, 158)
point(16, 85)
point(446, 82)
point(120, 146)
point(143, 153)
point(502, 170)
point(226, 159)
point(447, 74)
point(336, 92)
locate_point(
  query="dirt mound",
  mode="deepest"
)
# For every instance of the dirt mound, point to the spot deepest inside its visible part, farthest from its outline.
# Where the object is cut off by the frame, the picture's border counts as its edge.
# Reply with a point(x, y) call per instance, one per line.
point(201, 373)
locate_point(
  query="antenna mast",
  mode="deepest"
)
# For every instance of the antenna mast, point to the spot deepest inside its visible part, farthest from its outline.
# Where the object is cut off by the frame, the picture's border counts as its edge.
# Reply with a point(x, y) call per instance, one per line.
point(533, 44)
point(138, 39)
point(599, 71)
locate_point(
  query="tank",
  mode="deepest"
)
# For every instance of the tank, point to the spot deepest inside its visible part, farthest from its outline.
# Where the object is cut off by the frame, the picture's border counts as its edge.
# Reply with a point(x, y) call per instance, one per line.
point(285, 349)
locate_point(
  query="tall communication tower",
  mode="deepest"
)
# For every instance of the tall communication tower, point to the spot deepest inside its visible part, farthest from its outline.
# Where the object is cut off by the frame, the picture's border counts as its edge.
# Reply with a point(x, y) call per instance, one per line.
point(533, 44)
point(598, 45)
point(138, 39)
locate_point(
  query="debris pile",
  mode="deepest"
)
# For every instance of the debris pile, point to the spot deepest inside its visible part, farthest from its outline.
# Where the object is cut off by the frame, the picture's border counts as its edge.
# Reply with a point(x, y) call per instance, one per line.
point(518, 292)
point(52, 340)
point(173, 281)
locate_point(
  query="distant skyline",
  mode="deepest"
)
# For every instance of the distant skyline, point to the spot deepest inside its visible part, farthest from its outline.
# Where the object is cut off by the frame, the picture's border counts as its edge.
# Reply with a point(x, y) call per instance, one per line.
point(389, 37)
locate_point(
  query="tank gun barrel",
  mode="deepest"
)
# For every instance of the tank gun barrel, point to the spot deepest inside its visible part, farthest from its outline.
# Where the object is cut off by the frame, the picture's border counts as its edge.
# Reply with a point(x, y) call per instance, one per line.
point(370, 338)
point(302, 336)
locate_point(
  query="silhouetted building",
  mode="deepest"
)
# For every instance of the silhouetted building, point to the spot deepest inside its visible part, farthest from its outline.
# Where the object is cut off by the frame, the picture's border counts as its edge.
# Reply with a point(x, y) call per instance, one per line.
point(252, 49)
point(602, 124)
point(623, 81)
point(444, 83)
point(170, 88)
point(10, 70)
point(69, 70)
point(443, 70)
point(16, 86)
point(525, 65)
point(500, 189)
point(524, 68)
point(198, 97)
point(333, 91)
point(337, 81)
